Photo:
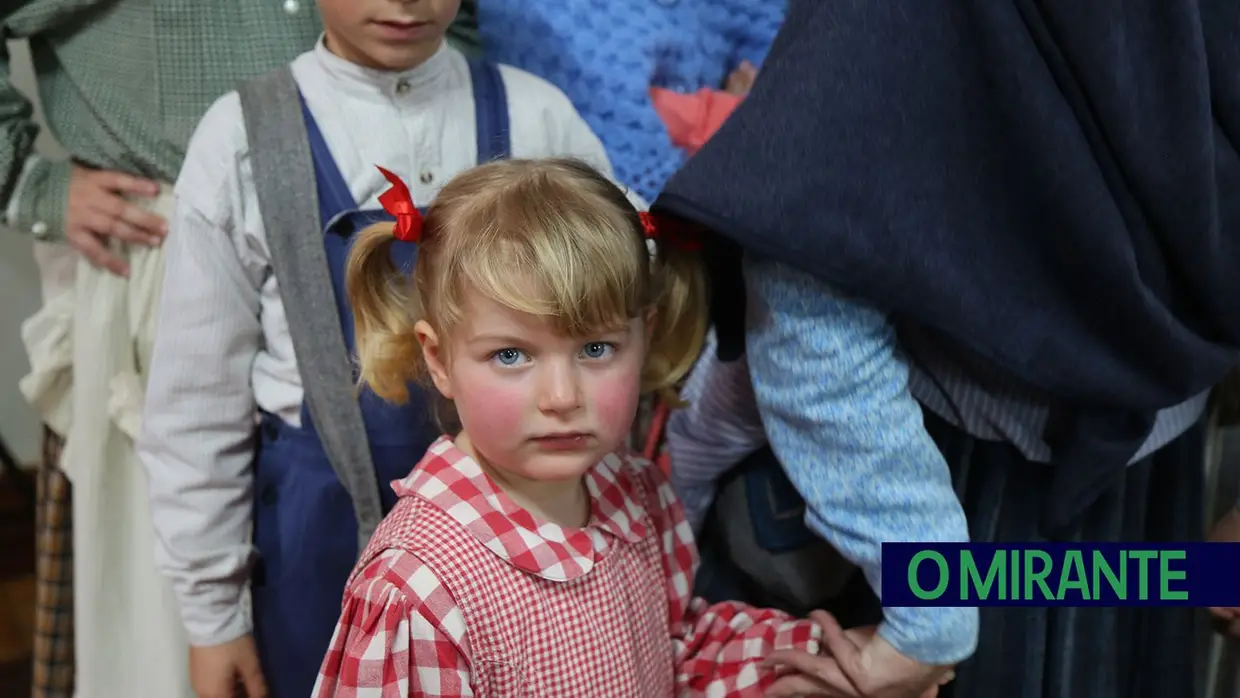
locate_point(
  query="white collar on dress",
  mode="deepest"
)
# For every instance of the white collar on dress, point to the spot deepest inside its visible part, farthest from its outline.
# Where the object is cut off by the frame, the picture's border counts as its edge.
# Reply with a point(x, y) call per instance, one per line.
point(451, 480)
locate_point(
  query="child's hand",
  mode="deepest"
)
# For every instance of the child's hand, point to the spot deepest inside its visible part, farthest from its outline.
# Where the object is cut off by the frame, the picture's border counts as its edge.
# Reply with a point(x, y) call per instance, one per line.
point(1227, 530)
point(855, 669)
point(227, 670)
point(741, 80)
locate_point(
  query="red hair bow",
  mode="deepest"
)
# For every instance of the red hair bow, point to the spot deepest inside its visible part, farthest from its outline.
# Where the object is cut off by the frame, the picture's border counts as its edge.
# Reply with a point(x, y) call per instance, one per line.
point(673, 231)
point(397, 202)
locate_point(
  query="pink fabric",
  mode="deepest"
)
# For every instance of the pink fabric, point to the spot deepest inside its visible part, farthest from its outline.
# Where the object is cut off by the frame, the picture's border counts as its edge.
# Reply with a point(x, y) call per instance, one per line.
point(691, 119)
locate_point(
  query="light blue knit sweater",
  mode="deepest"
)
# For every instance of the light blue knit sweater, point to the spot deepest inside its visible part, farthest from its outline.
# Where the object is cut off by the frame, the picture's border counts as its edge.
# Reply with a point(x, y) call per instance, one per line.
point(606, 54)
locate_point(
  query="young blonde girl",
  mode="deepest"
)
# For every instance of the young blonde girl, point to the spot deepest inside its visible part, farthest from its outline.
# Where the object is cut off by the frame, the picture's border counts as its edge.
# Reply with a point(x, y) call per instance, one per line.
point(530, 552)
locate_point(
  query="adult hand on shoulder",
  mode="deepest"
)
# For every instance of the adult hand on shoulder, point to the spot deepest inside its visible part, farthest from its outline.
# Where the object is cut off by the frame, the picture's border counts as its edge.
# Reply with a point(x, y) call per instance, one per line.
point(856, 663)
point(227, 671)
point(1227, 530)
point(98, 210)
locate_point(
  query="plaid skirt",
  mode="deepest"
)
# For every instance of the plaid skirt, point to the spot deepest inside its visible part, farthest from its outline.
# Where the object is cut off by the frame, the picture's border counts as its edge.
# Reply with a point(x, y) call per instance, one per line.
point(53, 641)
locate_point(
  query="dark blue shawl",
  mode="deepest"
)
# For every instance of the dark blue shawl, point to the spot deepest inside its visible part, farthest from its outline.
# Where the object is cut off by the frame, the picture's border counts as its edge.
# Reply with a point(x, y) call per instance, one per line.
point(1050, 185)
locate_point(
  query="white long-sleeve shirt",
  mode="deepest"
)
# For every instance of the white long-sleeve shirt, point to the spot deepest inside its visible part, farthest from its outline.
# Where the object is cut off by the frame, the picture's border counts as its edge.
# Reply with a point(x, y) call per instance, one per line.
point(223, 350)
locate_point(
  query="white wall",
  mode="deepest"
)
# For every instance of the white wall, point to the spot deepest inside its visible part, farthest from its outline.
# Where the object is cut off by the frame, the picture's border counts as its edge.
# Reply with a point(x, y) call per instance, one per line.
point(19, 298)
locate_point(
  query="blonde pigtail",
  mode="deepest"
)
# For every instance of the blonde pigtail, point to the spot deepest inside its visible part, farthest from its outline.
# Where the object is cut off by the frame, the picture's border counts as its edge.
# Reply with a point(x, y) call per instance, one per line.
point(679, 321)
point(385, 309)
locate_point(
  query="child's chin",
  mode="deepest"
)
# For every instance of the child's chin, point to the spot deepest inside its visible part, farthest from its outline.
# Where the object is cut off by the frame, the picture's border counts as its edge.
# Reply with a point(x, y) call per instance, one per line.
point(560, 466)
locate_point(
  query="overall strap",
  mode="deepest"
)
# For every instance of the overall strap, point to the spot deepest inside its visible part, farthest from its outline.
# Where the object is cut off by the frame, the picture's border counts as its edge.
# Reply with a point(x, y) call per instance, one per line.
point(490, 111)
point(334, 195)
point(284, 179)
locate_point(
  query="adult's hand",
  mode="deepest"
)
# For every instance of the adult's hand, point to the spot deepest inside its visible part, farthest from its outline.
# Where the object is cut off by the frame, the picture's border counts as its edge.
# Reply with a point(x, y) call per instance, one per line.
point(98, 210)
point(855, 664)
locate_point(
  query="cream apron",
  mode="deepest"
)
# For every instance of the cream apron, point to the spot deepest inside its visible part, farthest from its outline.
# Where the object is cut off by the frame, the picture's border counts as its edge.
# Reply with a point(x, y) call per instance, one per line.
point(89, 351)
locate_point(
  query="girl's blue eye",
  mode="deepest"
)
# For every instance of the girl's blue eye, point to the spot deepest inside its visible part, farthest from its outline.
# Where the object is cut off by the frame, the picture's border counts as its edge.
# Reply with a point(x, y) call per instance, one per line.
point(597, 350)
point(508, 357)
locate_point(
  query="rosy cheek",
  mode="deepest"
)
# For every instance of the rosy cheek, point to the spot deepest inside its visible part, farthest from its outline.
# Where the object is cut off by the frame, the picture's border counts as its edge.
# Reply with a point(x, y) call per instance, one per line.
point(615, 400)
point(493, 406)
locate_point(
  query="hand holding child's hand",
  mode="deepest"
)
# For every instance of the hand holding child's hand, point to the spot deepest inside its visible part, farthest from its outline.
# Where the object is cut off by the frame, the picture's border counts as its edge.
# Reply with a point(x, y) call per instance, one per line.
point(855, 663)
point(1227, 530)
point(227, 671)
point(741, 80)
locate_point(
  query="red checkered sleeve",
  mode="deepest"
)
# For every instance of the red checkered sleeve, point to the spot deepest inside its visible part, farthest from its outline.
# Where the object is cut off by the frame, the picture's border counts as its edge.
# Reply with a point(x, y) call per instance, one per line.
point(400, 634)
point(718, 648)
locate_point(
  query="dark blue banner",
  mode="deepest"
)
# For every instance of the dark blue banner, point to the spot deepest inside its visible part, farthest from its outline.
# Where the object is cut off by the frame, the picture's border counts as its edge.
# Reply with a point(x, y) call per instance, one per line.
point(1061, 574)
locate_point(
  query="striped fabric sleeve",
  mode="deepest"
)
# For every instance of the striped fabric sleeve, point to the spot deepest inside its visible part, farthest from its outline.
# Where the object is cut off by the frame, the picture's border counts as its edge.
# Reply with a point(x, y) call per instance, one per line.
point(719, 428)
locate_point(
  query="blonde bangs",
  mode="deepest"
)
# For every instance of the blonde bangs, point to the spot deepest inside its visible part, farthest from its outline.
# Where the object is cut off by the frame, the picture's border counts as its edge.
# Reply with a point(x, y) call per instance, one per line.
point(573, 265)
point(549, 238)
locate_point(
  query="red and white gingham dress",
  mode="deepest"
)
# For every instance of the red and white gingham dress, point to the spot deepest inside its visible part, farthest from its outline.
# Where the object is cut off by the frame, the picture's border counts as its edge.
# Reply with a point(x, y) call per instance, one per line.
point(463, 593)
